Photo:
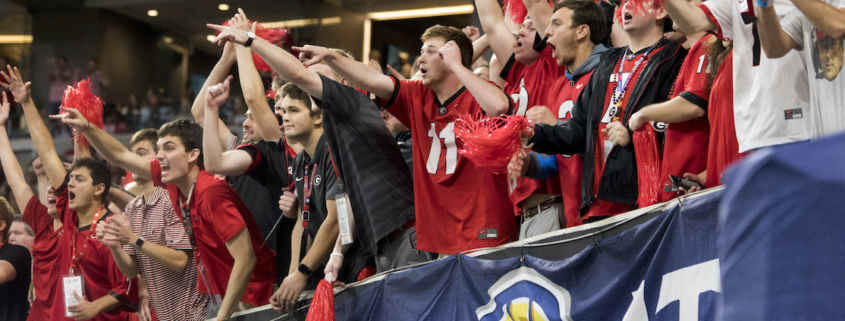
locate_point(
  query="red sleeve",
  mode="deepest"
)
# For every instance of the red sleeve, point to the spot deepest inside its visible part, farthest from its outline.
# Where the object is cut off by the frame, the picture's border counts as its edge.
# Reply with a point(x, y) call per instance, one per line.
point(406, 95)
point(253, 152)
point(155, 172)
point(227, 218)
point(695, 76)
point(65, 213)
point(512, 71)
point(35, 214)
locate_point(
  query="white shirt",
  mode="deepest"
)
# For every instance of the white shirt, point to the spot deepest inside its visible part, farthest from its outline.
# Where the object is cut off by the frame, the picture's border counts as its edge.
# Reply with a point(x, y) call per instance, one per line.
point(824, 57)
point(771, 96)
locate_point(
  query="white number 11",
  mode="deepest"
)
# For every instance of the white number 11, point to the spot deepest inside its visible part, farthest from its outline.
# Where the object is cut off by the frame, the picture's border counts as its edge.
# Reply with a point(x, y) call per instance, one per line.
point(451, 149)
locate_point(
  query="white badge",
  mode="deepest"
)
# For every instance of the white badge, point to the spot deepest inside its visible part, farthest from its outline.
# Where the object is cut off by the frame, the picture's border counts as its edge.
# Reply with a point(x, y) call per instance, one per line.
point(608, 146)
point(72, 284)
point(511, 185)
point(343, 213)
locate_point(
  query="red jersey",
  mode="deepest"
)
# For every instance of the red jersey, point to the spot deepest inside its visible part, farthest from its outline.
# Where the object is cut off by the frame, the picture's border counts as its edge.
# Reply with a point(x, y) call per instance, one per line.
point(528, 86)
point(45, 259)
point(724, 148)
point(93, 260)
point(685, 149)
point(458, 206)
point(600, 208)
point(565, 93)
point(217, 214)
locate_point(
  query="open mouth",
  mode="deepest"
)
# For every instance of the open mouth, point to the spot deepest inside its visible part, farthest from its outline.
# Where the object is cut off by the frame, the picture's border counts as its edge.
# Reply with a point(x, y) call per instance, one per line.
point(71, 195)
point(279, 120)
point(51, 201)
point(423, 71)
point(628, 16)
point(165, 168)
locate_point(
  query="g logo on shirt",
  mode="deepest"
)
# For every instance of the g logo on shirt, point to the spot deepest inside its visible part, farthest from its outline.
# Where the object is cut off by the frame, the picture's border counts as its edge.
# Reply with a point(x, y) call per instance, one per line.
point(290, 170)
point(525, 294)
point(317, 180)
point(609, 114)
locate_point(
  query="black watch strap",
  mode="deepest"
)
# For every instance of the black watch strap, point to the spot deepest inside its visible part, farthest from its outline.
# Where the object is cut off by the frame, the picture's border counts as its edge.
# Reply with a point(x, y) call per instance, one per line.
point(304, 270)
point(139, 242)
point(249, 39)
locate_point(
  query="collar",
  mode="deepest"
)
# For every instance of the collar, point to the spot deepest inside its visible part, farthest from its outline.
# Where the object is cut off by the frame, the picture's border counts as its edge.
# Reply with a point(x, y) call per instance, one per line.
point(102, 217)
point(321, 145)
point(158, 193)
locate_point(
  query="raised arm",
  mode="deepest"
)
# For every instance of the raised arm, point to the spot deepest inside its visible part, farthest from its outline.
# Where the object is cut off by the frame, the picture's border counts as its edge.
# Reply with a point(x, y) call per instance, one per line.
point(231, 163)
point(492, 99)
point(540, 12)
point(501, 38)
point(775, 41)
point(111, 149)
point(41, 138)
point(220, 71)
point(825, 17)
point(253, 90)
point(11, 167)
point(688, 16)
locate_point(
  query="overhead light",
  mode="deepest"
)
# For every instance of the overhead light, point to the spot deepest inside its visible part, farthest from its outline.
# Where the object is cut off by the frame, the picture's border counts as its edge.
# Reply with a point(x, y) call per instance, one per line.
point(299, 23)
point(167, 39)
point(152, 13)
point(6, 39)
point(210, 37)
point(421, 13)
point(223, 7)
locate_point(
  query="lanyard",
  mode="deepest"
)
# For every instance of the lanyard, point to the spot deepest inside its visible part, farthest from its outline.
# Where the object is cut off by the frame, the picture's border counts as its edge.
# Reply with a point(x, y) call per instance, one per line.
point(619, 91)
point(336, 173)
point(307, 187)
point(186, 219)
point(92, 228)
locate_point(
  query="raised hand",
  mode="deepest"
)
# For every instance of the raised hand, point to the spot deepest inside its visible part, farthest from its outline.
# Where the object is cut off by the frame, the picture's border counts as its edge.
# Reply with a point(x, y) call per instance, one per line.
point(375, 65)
point(228, 34)
point(451, 55)
point(38, 167)
point(541, 115)
point(217, 94)
point(19, 89)
point(73, 118)
point(102, 235)
point(472, 33)
point(310, 55)
point(4, 110)
point(241, 22)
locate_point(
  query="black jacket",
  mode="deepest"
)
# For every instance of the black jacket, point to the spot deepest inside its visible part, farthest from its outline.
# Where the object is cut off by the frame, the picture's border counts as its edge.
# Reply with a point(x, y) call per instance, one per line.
point(579, 134)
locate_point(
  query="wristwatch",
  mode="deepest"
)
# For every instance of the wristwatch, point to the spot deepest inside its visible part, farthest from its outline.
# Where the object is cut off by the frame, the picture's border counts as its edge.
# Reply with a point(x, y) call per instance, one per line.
point(304, 270)
point(250, 37)
point(139, 243)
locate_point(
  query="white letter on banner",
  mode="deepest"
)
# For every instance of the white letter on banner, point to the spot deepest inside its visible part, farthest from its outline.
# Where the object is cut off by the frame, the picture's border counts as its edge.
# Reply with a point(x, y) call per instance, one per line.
point(637, 311)
point(686, 284)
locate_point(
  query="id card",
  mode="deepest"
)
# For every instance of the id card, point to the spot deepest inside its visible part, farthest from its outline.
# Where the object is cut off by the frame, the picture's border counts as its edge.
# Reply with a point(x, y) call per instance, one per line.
point(72, 284)
point(343, 213)
point(607, 146)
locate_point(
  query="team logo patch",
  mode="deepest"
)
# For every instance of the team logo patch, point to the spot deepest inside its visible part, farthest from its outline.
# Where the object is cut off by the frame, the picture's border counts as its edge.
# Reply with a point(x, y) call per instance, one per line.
point(290, 170)
point(442, 110)
point(317, 180)
point(524, 294)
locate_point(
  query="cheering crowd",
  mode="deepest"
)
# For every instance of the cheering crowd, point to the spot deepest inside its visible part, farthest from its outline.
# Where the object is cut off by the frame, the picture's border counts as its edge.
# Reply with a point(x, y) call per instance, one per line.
point(352, 172)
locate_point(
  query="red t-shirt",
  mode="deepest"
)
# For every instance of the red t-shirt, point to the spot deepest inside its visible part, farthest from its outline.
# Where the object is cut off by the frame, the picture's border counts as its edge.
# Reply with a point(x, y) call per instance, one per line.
point(599, 207)
point(564, 94)
point(724, 148)
point(685, 149)
point(94, 261)
point(218, 214)
point(528, 86)
point(458, 205)
point(45, 259)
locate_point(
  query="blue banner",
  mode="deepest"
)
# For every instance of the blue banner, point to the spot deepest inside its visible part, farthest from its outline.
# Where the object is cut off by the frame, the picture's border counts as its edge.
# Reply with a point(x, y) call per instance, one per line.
point(664, 269)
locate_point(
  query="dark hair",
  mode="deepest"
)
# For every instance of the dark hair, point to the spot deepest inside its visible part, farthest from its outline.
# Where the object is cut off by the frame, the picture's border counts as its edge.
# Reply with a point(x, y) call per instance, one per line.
point(7, 215)
point(26, 227)
point(148, 134)
point(449, 34)
point(587, 12)
point(189, 132)
point(717, 51)
point(296, 93)
point(100, 173)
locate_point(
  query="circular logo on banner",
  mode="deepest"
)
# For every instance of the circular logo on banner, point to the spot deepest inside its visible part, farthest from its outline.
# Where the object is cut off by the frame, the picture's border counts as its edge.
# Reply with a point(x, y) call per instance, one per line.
point(525, 294)
point(317, 180)
point(442, 111)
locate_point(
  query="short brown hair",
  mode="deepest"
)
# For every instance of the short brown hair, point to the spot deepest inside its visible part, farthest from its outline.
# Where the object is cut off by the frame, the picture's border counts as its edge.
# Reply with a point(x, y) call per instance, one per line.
point(343, 52)
point(296, 93)
point(277, 84)
point(7, 215)
point(189, 132)
point(148, 134)
point(449, 34)
point(587, 12)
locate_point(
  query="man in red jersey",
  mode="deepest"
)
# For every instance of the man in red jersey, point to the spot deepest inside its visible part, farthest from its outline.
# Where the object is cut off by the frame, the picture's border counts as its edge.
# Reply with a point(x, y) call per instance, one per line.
point(232, 265)
point(459, 206)
point(574, 33)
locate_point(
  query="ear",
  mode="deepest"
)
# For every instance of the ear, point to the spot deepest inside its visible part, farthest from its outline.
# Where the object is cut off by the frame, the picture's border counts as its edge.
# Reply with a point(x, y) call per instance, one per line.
point(660, 14)
point(344, 82)
point(193, 155)
point(99, 189)
point(582, 32)
point(318, 116)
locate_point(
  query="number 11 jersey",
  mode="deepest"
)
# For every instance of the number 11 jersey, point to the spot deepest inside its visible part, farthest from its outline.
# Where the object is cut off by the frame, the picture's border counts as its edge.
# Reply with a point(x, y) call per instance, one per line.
point(459, 206)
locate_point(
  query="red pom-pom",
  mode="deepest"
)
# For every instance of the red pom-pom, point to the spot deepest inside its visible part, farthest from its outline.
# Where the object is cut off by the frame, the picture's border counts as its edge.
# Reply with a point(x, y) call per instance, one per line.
point(366, 272)
point(648, 165)
point(490, 142)
point(277, 37)
point(322, 304)
point(81, 98)
point(636, 7)
point(516, 10)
